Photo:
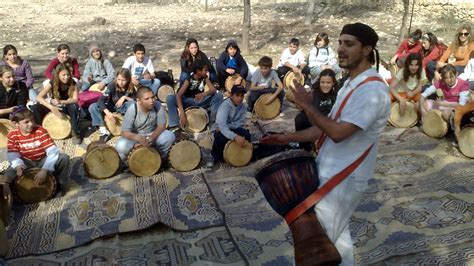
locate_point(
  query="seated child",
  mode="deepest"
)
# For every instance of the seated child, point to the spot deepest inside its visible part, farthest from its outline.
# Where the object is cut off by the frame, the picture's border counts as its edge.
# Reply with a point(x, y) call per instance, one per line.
point(406, 86)
point(30, 145)
point(142, 69)
point(410, 45)
point(262, 83)
point(191, 53)
point(120, 95)
point(230, 124)
point(324, 97)
point(97, 70)
point(292, 59)
point(145, 124)
point(12, 93)
point(231, 62)
point(192, 93)
point(63, 58)
point(321, 57)
point(455, 93)
point(21, 68)
point(59, 96)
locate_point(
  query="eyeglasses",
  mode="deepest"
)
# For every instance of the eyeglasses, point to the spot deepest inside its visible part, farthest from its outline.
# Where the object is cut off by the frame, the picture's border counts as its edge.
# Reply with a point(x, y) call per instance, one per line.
point(463, 33)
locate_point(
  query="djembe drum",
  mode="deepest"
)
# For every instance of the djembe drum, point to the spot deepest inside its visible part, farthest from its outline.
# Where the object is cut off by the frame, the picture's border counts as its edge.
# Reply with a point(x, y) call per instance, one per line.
point(95, 87)
point(237, 155)
point(164, 91)
point(144, 161)
point(229, 82)
point(466, 136)
point(196, 119)
point(185, 155)
point(26, 191)
point(58, 128)
point(434, 125)
point(264, 111)
point(288, 84)
point(407, 120)
point(114, 127)
point(5, 127)
point(287, 179)
point(101, 160)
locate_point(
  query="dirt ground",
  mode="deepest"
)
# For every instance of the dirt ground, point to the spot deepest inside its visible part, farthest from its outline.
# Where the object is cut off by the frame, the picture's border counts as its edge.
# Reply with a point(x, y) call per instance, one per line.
point(37, 28)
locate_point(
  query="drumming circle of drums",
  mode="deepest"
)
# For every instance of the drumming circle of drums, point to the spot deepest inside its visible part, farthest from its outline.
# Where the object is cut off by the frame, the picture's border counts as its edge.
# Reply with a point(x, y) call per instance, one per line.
point(196, 119)
point(185, 155)
point(26, 190)
point(114, 127)
point(5, 127)
point(101, 160)
point(466, 136)
point(164, 91)
point(229, 82)
point(267, 111)
point(237, 155)
point(434, 125)
point(407, 120)
point(58, 128)
point(144, 161)
point(288, 84)
point(286, 179)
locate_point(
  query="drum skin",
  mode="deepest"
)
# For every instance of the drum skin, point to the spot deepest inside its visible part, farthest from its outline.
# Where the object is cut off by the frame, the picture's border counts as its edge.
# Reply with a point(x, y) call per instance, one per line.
point(101, 161)
point(264, 111)
point(434, 124)
point(466, 141)
point(26, 191)
point(114, 128)
point(409, 118)
point(288, 84)
point(237, 155)
point(196, 119)
point(5, 127)
point(144, 161)
point(185, 156)
point(229, 82)
point(164, 91)
point(56, 127)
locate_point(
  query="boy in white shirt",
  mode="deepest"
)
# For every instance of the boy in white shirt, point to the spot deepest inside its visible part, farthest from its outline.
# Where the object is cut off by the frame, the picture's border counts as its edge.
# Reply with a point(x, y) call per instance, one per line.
point(142, 69)
point(292, 59)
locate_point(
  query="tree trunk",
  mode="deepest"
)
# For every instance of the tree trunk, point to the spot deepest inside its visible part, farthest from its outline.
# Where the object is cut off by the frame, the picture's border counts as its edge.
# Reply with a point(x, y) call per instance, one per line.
point(309, 12)
point(246, 28)
point(406, 10)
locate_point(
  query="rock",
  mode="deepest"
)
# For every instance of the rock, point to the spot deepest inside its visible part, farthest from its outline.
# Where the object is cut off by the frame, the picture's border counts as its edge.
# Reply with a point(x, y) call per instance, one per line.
point(21, 43)
point(112, 54)
point(99, 21)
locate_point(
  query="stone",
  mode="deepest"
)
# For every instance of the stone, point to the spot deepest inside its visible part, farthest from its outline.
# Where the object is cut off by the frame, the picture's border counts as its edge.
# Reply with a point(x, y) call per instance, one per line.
point(99, 21)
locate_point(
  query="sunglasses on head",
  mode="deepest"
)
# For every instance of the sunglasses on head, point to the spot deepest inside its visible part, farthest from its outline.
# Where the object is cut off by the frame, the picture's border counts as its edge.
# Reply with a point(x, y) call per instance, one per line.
point(463, 33)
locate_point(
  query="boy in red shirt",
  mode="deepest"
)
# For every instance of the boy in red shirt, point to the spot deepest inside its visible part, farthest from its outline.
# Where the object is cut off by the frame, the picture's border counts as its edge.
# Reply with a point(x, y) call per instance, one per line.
point(31, 146)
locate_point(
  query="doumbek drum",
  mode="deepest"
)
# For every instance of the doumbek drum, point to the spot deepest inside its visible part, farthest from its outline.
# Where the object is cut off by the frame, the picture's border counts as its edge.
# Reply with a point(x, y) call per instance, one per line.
point(28, 192)
point(286, 180)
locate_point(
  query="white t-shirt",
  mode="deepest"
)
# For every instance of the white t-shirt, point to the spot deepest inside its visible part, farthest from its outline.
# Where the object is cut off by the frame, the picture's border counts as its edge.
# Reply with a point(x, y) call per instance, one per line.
point(412, 82)
point(294, 59)
point(325, 56)
point(138, 69)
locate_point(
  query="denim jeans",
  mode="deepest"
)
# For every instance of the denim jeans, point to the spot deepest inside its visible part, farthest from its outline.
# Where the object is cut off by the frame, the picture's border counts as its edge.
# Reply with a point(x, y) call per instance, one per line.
point(32, 93)
point(96, 114)
point(163, 144)
point(152, 84)
point(220, 141)
point(213, 101)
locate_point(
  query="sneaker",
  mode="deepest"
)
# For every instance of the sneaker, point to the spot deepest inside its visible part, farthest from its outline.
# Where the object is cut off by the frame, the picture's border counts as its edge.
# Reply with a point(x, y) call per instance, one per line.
point(210, 163)
point(76, 140)
point(175, 129)
point(104, 137)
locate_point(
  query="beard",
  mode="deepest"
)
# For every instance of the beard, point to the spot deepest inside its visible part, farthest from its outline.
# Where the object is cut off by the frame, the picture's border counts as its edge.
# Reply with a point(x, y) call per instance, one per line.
point(351, 64)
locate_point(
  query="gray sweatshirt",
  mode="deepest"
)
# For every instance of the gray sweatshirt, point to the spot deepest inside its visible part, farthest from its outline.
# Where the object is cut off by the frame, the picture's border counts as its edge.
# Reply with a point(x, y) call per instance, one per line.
point(100, 71)
point(230, 117)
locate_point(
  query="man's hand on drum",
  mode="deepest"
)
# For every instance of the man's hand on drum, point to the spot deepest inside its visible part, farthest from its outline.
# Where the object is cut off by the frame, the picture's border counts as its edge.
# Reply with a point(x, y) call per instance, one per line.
point(199, 97)
point(403, 106)
point(303, 98)
point(275, 139)
point(271, 99)
point(143, 140)
point(40, 177)
point(240, 140)
point(182, 120)
point(230, 71)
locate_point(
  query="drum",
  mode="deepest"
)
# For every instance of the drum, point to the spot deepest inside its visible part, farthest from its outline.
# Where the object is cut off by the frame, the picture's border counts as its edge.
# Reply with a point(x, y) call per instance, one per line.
point(237, 155)
point(287, 179)
point(288, 83)
point(197, 119)
point(434, 125)
point(95, 87)
point(264, 111)
point(164, 91)
point(114, 128)
point(101, 160)
point(407, 120)
point(5, 127)
point(229, 82)
point(466, 136)
point(144, 161)
point(27, 191)
point(185, 155)
point(56, 127)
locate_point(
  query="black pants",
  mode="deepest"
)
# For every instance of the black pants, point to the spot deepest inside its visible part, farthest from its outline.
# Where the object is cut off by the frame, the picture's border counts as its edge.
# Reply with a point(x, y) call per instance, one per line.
point(253, 97)
point(284, 69)
point(302, 123)
point(220, 141)
point(40, 111)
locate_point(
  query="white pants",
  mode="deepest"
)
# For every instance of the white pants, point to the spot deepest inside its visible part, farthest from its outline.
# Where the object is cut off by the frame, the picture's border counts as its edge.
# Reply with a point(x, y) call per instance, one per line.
point(163, 144)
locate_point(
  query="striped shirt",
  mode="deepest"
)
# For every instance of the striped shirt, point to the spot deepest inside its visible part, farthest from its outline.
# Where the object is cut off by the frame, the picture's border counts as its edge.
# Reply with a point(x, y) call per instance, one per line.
point(32, 146)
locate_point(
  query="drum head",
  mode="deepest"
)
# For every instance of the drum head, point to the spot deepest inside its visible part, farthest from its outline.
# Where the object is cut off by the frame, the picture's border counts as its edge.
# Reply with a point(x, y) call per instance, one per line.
point(408, 119)
point(229, 82)
point(466, 141)
point(144, 161)
point(114, 128)
point(288, 80)
point(267, 112)
point(434, 124)
point(5, 127)
point(164, 91)
point(197, 119)
point(101, 162)
point(185, 156)
point(28, 192)
point(3, 240)
point(95, 87)
point(56, 127)
point(236, 155)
